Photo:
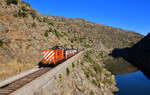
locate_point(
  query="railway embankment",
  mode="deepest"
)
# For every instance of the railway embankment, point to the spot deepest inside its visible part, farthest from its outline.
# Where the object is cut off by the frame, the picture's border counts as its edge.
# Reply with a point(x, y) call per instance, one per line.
point(43, 82)
point(79, 77)
point(75, 76)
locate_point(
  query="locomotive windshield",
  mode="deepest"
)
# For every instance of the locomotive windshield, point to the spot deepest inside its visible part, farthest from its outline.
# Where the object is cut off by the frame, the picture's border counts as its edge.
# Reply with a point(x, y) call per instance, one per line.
point(57, 47)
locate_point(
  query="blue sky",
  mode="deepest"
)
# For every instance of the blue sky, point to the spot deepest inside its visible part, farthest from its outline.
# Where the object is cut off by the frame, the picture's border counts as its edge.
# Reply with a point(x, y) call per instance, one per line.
point(126, 14)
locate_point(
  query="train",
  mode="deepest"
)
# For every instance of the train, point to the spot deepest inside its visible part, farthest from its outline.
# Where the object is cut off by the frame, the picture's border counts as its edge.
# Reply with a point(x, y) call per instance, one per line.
point(56, 55)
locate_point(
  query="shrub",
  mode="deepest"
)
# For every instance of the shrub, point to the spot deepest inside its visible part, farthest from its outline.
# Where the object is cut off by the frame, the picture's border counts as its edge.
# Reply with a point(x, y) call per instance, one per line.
point(44, 19)
point(15, 14)
point(11, 2)
point(101, 54)
point(60, 76)
point(21, 13)
point(71, 46)
point(58, 35)
point(92, 93)
point(67, 71)
point(33, 14)
point(33, 24)
point(65, 33)
point(1, 43)
point(97, 67)
point(86, 45)
point(65, 45)
point(95, 82)
point(47, 21)
point(73, 65)
point(81, 63)
point(50, 23)
point(46, 33)
point(23, 8)
point(72, 40)
point(89, 59)
point(87, 73)
point(39, 19)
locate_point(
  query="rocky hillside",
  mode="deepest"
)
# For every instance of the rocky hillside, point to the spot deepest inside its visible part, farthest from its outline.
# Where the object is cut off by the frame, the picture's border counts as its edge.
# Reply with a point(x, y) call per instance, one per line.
point(94, 35)
point(24, 33)
point(81, 78)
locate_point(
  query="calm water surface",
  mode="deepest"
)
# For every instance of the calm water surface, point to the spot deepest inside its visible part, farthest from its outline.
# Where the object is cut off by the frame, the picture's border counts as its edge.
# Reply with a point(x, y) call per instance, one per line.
point(133, 84)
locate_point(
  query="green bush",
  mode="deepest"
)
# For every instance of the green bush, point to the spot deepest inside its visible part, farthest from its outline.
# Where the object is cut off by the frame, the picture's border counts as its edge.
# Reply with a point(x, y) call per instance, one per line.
point(11, 2)
point(95, 82)
point(89, 59)
point(73, 65)
point(60, 76)
point(33, 14)
point(81, 63)
point(65, 33)
point(76, 39)
point(46, 33)
point(67, 71)
point(87, 73)
point(86, 45)
point(101, 54)
point(20, 13)
point(44, 19)
point(1, 43)
point(47, 21)
point(23, 12)
point(97, 67)
point(92, 93)
point(65, 45)
point(58, 35)
point(24, 9)
point(72, 40)
point(50, 23)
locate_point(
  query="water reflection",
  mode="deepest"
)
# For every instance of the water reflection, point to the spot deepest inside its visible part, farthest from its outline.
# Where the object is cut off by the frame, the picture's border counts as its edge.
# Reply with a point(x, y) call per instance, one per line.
point(133, 84)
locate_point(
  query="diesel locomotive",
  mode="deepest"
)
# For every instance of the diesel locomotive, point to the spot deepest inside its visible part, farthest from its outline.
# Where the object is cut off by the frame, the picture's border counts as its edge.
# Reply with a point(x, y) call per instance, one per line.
point(56, 55)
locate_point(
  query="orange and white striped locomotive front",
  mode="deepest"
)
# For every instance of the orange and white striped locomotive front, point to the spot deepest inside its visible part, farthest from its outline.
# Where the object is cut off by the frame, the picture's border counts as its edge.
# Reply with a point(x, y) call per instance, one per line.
point(48, 56)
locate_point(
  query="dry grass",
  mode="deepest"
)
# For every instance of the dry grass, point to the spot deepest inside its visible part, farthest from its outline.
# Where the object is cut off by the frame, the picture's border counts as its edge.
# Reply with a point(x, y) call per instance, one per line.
point(13, 68)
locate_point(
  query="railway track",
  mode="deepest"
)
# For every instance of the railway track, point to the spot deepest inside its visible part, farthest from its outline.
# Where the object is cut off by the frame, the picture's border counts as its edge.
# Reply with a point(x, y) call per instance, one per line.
point(13, 86)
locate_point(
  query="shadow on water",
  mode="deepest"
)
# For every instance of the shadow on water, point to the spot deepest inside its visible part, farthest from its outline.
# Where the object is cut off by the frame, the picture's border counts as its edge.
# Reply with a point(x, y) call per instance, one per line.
point(140, 62)
point(138, 55)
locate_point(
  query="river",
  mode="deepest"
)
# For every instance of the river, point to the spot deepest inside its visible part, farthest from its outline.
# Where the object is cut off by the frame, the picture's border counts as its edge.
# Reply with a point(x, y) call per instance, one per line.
point(133, 84)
